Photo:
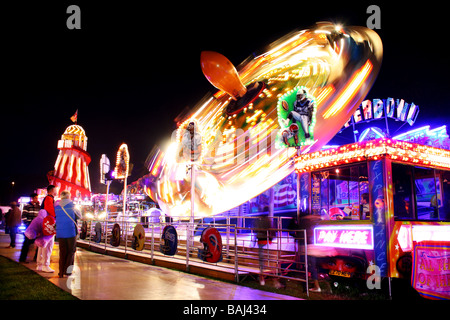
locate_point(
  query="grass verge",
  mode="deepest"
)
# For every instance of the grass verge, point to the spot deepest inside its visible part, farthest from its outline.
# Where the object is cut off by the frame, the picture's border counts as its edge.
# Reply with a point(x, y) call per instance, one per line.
point(20, 283)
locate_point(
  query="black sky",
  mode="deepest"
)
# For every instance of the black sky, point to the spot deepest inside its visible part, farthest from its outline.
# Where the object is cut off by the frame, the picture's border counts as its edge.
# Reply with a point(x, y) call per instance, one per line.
point(133, 68)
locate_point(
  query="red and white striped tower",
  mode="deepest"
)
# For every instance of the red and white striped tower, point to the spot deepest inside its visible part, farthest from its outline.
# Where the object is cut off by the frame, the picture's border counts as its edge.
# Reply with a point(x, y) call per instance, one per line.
point(71, 168)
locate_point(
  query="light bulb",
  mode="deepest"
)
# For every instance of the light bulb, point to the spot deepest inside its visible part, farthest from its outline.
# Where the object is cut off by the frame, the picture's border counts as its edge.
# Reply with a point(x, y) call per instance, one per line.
point(222, 74)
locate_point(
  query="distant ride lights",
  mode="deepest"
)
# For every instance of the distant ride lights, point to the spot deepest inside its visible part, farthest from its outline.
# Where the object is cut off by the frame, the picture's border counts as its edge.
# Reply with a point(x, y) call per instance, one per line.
point(121, 171)
point(71, 171)
point(104, 170)
point(122, 162)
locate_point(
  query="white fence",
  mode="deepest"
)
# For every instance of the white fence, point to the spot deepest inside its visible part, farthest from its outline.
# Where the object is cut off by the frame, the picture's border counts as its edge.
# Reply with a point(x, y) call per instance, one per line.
point(284, 255)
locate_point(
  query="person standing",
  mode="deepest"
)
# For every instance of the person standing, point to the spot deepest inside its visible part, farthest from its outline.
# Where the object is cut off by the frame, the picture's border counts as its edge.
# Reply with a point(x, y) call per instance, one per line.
point(308, 223)
point(264, 236)
point(44, 254)
point(66, 231)
point(30, 211)
point(13, 219)
point(364, 209)
point(1, 219)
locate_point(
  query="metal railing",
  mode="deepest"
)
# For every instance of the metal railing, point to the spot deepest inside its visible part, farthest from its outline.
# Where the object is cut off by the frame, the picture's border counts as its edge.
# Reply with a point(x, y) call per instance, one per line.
point(284, 255)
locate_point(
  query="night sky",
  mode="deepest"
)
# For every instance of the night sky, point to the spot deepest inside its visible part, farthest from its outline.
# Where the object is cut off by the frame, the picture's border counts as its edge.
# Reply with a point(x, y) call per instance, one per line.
point(132, 69)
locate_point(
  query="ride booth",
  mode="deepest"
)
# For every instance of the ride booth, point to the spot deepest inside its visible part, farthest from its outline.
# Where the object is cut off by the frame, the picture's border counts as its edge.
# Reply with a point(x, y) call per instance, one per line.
point(384, 208)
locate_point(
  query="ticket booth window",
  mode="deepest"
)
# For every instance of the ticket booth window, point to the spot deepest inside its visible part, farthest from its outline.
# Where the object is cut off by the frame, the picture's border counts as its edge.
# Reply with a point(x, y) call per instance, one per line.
point(420, 193)
point(427, 189)
point(341, 193)
point(402, 178)
point(443, 179)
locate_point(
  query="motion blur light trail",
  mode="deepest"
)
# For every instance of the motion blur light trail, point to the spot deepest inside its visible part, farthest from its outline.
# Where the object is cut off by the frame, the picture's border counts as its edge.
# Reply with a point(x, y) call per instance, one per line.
point(241, 152)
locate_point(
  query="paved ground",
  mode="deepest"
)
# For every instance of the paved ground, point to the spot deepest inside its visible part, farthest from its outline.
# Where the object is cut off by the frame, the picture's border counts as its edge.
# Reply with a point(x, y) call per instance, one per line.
point(102, 277)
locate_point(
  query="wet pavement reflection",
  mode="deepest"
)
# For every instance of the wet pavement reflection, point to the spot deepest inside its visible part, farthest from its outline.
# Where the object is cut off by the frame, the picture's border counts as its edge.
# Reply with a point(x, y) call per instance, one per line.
point(101, 277)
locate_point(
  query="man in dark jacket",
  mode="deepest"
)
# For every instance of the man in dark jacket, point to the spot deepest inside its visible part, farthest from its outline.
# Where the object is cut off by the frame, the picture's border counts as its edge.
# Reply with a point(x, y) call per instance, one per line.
point(30, 211)
point(13, 219)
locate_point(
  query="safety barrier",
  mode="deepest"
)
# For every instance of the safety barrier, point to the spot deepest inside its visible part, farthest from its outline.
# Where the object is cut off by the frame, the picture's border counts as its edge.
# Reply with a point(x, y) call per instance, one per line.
point(283, 255)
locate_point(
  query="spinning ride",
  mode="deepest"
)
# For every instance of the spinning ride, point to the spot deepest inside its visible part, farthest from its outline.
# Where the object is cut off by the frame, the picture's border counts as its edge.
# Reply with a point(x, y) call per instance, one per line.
point(242, 125)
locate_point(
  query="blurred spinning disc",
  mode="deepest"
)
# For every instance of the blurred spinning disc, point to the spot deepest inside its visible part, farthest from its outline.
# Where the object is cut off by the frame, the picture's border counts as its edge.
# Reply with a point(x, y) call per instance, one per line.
point(138, 238)
point(115, 235)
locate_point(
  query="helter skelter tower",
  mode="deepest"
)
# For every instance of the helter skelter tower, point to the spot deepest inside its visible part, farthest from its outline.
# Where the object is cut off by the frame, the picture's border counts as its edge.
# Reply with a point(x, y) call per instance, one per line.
point(71, 167)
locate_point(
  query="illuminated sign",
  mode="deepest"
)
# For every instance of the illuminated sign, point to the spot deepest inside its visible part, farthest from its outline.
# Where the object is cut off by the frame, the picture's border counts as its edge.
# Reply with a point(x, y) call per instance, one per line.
point(371, 134)
point(431, 269)
point(349, 236)
point(430, 233)
point(403, 151)
point(396, 109)
point(24, 199)
point(104, 168)
point(436, 137)
point(404, 238)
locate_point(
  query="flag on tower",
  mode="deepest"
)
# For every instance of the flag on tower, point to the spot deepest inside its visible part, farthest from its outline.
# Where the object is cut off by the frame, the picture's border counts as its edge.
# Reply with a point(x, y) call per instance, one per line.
point(74, 118)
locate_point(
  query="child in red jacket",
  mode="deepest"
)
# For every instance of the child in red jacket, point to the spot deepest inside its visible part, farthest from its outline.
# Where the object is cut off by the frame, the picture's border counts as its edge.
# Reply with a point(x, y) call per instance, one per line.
point(44, 253)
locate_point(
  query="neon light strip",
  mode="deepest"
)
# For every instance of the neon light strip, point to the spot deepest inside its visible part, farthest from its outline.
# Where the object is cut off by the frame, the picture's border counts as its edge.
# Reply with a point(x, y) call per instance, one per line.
point(431, 233)
point(63, 164)
point(350, 91)
point(325, 94)
point(403, 135)
point(78, 168)
point(403, 151)
point(71, 165)
point(123, 148)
